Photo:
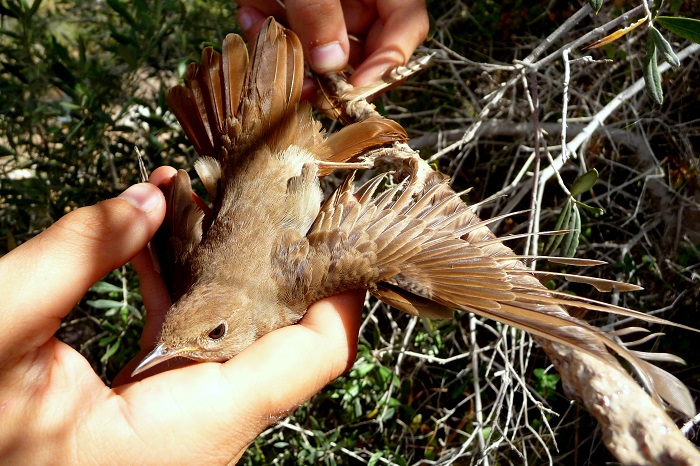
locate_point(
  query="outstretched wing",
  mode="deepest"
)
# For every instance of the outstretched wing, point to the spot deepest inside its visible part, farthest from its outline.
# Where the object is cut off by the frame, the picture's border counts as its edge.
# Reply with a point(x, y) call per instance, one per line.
point(423, 251)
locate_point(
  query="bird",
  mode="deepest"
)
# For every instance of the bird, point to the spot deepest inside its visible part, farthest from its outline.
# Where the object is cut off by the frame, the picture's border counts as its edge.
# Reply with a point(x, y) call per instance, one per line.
point(270, 245)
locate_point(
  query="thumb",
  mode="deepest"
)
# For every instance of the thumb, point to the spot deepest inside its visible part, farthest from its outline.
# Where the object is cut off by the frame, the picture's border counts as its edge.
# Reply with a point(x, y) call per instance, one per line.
point(42, 280)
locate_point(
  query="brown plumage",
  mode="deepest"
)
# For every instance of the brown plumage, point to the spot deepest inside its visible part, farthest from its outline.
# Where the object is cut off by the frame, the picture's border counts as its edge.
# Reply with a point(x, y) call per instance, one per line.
point(269, 248)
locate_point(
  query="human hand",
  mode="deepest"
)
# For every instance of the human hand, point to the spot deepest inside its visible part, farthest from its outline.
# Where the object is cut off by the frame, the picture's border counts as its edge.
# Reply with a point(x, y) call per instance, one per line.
point(390, 31)
point(56, 409)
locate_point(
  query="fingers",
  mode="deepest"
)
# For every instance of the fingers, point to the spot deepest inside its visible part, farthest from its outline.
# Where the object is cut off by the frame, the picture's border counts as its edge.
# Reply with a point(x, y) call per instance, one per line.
point(319, 24)
point(225, 406)
point(154, 292)
point(299, 360)
point(400, 28)
point(44, 278)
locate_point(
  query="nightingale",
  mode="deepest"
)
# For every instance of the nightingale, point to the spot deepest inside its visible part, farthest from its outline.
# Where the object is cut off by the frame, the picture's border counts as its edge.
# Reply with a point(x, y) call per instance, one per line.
point(270, 246)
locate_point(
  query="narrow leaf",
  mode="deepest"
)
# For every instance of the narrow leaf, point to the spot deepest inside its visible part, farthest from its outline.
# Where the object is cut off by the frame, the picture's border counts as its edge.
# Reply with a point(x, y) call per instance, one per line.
point(110, 352)
point(34, 8)
point(120, 8)
point(105, 304)
point(687, 28)
point(664, 47)
point(104, 287)
point(590, 210)
point(615, 35)
point(652, 77)
point(570, 243)
point(563, 219)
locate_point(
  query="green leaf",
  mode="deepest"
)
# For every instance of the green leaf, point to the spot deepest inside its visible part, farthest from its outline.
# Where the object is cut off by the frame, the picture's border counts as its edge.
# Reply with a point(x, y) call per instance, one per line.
point(104, 341)
point(364, 369)
point(385, 373)
point(593, 211)
point(105, 304)
point(664, 47)
point(584, 182)
point(104, 287)
point(652, 77)
point(110, 352)
point(596, 5)
point(563, 219)
point(546, 384)
point(570, 243)
point(687, 28)
point(375, 458)
point(34, 8)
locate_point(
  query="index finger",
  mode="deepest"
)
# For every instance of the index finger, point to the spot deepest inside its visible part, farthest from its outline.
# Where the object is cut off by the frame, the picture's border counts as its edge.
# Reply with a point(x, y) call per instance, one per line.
point(401, 27)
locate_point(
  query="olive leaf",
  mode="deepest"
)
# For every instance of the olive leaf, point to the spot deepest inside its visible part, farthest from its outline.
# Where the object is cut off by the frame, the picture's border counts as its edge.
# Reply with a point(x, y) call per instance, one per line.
point(652, 77)
point(569, 219)
point(584, 182)
point(664, 47)
point(563, 220)
point(596, 5)
point(687, 28)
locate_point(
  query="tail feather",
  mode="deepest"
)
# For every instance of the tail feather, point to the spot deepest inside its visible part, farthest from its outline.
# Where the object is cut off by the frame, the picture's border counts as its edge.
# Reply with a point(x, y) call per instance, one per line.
point(230, 103)
point(235, 58)
point(274, 80)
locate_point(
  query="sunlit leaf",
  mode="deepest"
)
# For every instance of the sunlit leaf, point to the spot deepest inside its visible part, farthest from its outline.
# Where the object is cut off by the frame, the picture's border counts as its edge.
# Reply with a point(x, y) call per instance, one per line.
point(687, 28)
point(105, 304)
point(615, 35)
point(105, 287)
point(110, 352)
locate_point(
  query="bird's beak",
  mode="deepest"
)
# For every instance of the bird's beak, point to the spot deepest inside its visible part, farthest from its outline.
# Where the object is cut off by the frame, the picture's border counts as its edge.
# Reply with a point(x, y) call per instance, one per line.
point(159, 354)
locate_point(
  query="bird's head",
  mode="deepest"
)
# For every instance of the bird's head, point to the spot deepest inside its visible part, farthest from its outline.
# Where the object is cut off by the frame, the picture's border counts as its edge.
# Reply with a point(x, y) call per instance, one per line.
point(205, 324)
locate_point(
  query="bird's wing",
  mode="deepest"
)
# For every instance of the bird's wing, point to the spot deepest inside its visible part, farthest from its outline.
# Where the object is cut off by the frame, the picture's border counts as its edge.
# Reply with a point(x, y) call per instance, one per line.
point(186, 217)
point(422, 250)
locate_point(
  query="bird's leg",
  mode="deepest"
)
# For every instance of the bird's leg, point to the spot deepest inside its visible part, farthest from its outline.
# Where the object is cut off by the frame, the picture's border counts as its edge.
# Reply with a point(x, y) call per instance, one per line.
point(339, 100)
point(363, 165)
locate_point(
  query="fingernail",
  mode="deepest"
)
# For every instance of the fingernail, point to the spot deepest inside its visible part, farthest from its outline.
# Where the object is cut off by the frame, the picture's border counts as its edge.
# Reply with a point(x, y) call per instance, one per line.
point(245, 19)
point(142, 196)
point(328, 57)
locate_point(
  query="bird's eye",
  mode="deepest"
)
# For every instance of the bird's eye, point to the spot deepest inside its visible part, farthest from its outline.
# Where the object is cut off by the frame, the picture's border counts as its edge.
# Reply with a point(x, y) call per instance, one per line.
point(218, 332)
